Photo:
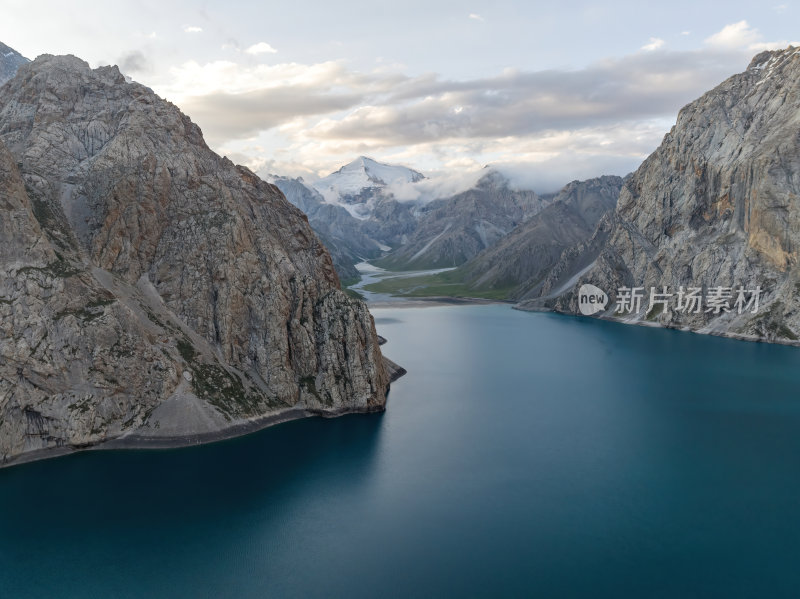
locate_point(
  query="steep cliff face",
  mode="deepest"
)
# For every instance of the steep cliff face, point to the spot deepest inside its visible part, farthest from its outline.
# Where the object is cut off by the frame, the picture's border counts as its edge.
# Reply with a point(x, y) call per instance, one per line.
point(716, 206)
point(149, 287)
point(339, 230)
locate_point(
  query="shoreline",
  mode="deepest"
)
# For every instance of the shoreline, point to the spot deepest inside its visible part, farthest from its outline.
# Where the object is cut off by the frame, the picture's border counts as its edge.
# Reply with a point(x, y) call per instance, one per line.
point(134, 442)
point(242, 428)
point(655, 325)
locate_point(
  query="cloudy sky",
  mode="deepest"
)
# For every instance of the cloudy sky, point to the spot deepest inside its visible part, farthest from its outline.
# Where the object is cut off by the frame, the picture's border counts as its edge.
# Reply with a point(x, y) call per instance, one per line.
point(555, 91)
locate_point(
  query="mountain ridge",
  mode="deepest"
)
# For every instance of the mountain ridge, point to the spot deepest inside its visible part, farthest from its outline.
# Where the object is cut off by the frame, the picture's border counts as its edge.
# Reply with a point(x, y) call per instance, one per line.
point(520, 259)
point(155, 290)
point(455, 229)
point(716, 206)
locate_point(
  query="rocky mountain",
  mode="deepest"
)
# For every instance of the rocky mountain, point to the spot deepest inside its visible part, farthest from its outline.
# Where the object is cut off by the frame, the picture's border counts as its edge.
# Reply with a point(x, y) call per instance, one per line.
point(10, 61)
point(152, 292)
point(391, 222)
point(354, 212)
point(713, 212)
point(519, 261)
point(360, 183)
point(451, 231)
point(342, 233)
point(419, 234)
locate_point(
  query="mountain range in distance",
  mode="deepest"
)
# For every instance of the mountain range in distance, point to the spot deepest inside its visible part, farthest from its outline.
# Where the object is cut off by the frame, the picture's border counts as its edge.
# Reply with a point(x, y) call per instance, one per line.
point(431, 229)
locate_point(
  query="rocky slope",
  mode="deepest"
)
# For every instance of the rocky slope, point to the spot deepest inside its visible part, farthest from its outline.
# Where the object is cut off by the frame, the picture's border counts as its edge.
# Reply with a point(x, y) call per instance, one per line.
point(453, 230)
point(521, 259)
point(149, 289)
point(391, 222)
point(10, 61)
point(341, 232)
point(716, 207)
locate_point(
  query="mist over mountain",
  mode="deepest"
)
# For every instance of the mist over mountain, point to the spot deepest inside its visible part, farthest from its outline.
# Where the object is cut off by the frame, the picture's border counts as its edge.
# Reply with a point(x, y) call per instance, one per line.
point(419, 229)
point(452, 230)
point(358, 184)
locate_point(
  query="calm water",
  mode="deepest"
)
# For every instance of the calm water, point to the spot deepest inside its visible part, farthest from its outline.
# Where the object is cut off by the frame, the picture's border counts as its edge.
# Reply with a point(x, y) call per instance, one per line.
point(524, 455)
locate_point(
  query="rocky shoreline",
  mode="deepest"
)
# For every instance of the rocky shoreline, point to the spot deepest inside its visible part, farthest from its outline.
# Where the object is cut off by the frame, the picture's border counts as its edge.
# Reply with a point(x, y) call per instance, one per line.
point(139, 440)
point(656, 325)
point(135, 441)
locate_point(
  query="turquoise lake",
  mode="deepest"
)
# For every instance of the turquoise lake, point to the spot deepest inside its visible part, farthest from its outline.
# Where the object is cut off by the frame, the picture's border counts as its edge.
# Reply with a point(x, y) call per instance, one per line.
point(524, 455)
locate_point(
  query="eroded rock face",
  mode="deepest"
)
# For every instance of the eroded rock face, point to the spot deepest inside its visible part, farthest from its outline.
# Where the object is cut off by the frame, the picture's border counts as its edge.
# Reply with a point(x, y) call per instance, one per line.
point(137, 266)
point(715, 206)
point(340, 231)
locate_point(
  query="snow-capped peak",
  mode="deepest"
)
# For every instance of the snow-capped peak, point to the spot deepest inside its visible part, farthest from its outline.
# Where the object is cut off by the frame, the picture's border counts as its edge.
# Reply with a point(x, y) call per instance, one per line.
point(366, 173)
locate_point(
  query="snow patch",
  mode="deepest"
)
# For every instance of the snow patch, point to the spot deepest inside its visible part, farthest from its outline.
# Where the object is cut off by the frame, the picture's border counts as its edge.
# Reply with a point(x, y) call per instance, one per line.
point(364, 173)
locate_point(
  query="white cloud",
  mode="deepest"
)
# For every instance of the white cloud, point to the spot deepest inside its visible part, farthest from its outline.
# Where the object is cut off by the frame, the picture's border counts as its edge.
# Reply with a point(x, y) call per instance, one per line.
point(476, 17)
point(192, 79)
point(192, 29)
point(654, 44)
point(551, 175)
point(740, 36)
point(438, 185)
point(234, 101)
point(761, 46)
point(604, 118)
point(261, 48)
point(734, 36)
point(686, 32)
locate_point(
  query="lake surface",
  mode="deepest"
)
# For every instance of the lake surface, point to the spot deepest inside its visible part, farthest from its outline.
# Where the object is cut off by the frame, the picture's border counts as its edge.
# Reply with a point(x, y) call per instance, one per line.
point(523, 455)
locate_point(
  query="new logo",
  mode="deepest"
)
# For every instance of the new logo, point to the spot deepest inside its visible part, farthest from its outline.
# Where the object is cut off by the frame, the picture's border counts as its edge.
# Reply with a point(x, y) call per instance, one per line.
point(591, 300)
